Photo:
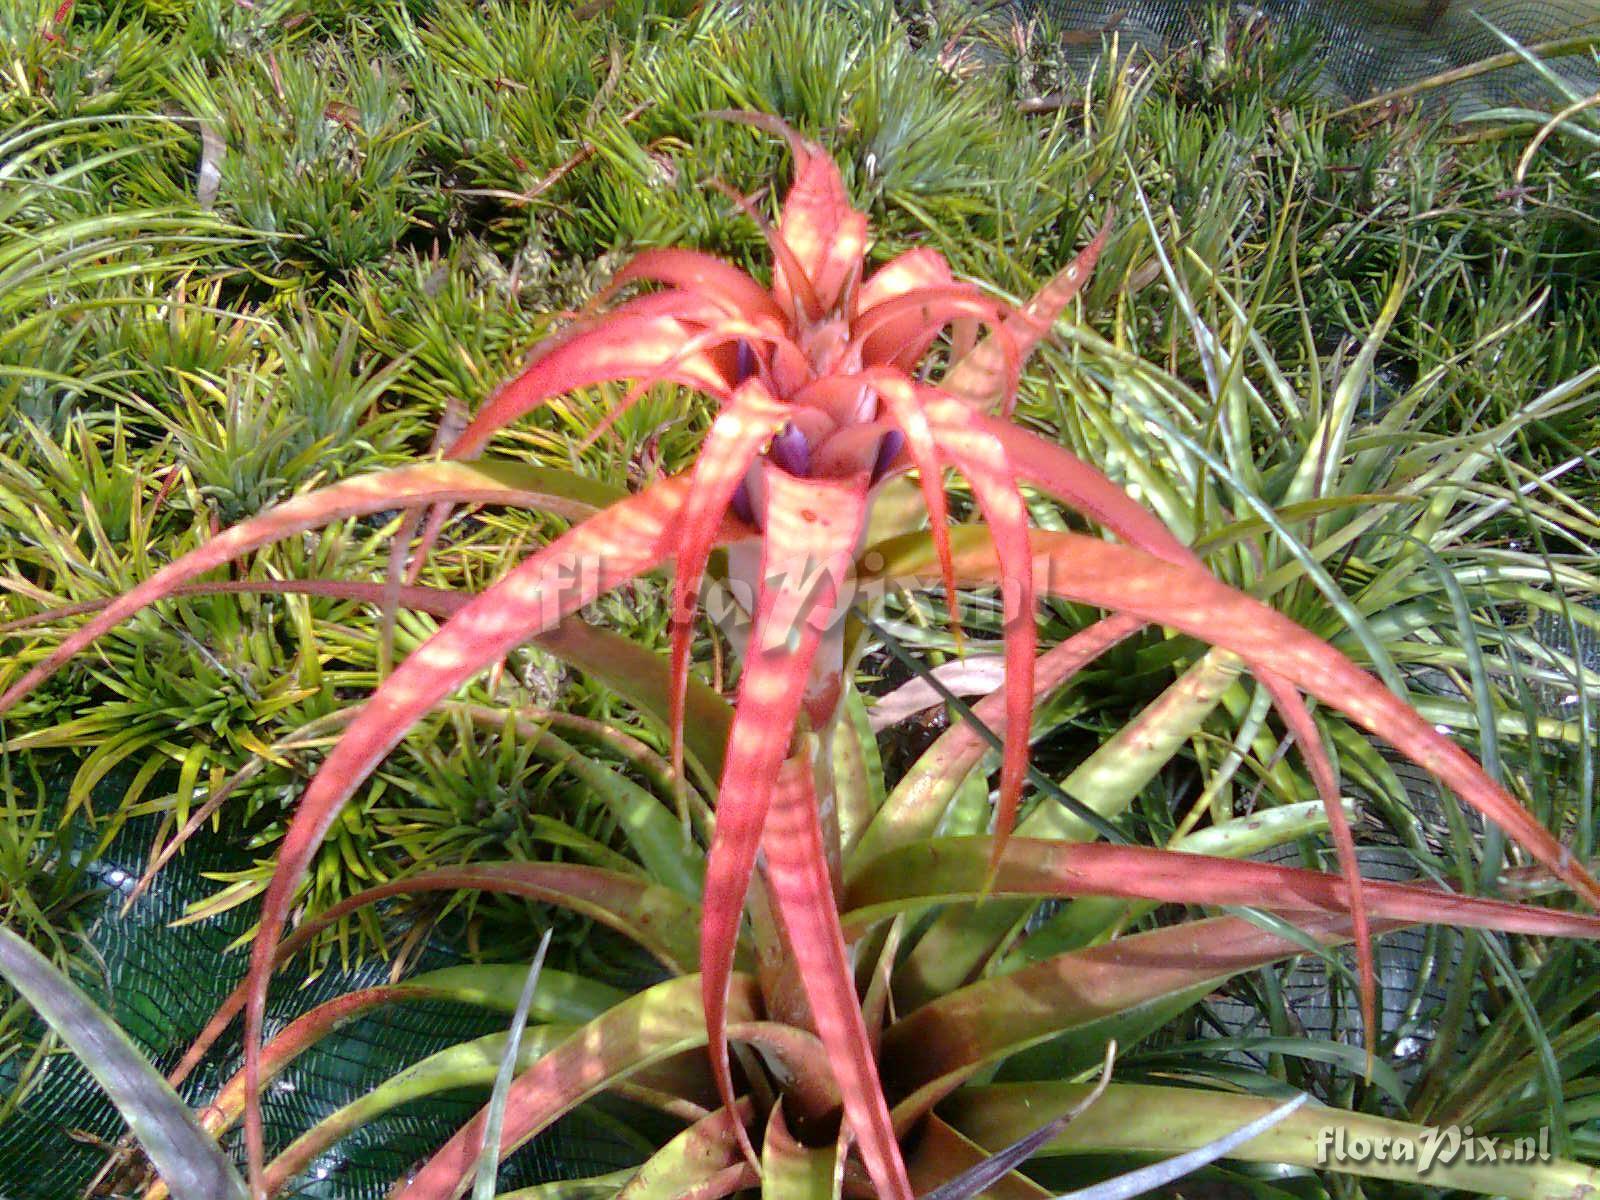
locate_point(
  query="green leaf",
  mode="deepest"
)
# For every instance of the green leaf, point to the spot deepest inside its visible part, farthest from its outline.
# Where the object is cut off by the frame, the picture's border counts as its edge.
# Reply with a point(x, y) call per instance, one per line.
point(942, 1153)
point(597, 1187)
point(560, 998)
point(483, 1187)
point(182, 1152)
point(1122, 990)
point(706, 1151)
point(1146, 1179)
point(1141, 1119)
point(1105, 783)
point(790, 1171)
point(656, 1024)
point(473, 1064)
point(919, 800)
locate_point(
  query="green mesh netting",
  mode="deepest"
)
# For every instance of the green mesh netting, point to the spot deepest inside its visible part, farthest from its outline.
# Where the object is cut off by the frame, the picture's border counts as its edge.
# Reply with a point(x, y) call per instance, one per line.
point(1368, 47)
point(163, 983)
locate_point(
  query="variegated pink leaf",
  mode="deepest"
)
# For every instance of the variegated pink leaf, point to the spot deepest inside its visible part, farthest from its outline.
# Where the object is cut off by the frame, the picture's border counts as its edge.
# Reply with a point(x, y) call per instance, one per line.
point(736, 437)
point(622, 346)
point(812, 529)
point(956, 870)
point(625, 540)
point(1090, 571)
point(908, 271)
point(982, 378)
point(701, 274)
point(798, 873)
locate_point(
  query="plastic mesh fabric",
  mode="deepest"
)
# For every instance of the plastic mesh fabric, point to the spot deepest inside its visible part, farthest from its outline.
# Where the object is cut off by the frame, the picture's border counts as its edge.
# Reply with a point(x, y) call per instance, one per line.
point(1368, 47)
point(1571, 647)
point(1414, 967)
point(162, 984)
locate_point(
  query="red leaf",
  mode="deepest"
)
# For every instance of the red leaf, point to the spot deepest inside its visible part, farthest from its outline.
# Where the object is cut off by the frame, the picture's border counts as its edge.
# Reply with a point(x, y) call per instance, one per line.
point(353, 497)
point(982, 458)
point(790, 282)
point(908, 271)
point(812, 528)
point(1034, 319)
point(701, 274)
point(899, 331)
point(852, 450)
point(924, 452)
point(982, 377)
point(953, 870)
point(721, 1183)
point(630, 537)
point(736, 437)
point(1299, 720)
point(1002, 506)
point(846, 398)
point(798, 874)
point(624, 345)
point(719, 337)
point(1091, 571)
point(1059, 473)
point(826, 236)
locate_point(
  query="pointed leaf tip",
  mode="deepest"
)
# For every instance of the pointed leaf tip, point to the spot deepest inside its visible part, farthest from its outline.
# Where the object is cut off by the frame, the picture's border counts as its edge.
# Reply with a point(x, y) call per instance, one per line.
point(984, 1175)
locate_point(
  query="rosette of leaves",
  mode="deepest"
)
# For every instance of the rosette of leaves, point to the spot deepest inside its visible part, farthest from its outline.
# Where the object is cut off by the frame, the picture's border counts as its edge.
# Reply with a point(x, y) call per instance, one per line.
point(824, 405)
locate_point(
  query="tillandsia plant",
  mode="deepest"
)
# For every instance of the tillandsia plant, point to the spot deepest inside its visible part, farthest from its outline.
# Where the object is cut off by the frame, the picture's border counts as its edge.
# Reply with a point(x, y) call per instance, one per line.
point(825, 401)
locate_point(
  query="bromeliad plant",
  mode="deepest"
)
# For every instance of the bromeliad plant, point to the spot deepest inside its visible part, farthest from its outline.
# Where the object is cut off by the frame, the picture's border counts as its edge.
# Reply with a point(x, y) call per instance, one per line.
point(587, 1037)
point(825, 400)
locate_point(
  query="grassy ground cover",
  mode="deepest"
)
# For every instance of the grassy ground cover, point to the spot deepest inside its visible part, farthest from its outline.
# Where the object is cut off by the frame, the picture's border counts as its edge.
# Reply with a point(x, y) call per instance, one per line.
point(247, 249)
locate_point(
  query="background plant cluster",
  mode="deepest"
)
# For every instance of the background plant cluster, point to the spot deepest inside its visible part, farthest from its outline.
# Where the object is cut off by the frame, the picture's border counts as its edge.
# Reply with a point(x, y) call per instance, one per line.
point(248, 248)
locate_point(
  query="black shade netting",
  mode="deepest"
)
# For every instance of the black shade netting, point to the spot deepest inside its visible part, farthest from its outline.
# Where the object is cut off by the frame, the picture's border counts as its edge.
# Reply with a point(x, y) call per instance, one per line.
point(162, 983)
point(1369, 47)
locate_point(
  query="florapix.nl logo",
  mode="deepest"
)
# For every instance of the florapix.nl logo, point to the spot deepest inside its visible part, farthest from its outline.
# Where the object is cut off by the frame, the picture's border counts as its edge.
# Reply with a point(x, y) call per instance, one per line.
point(1446, 1145)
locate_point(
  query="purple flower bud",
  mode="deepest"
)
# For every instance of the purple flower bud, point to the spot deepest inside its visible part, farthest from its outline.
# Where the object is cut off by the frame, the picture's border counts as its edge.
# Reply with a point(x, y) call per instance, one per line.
point(888, 449)
point(742, 508)
point(744, 362)
point(791, 451)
